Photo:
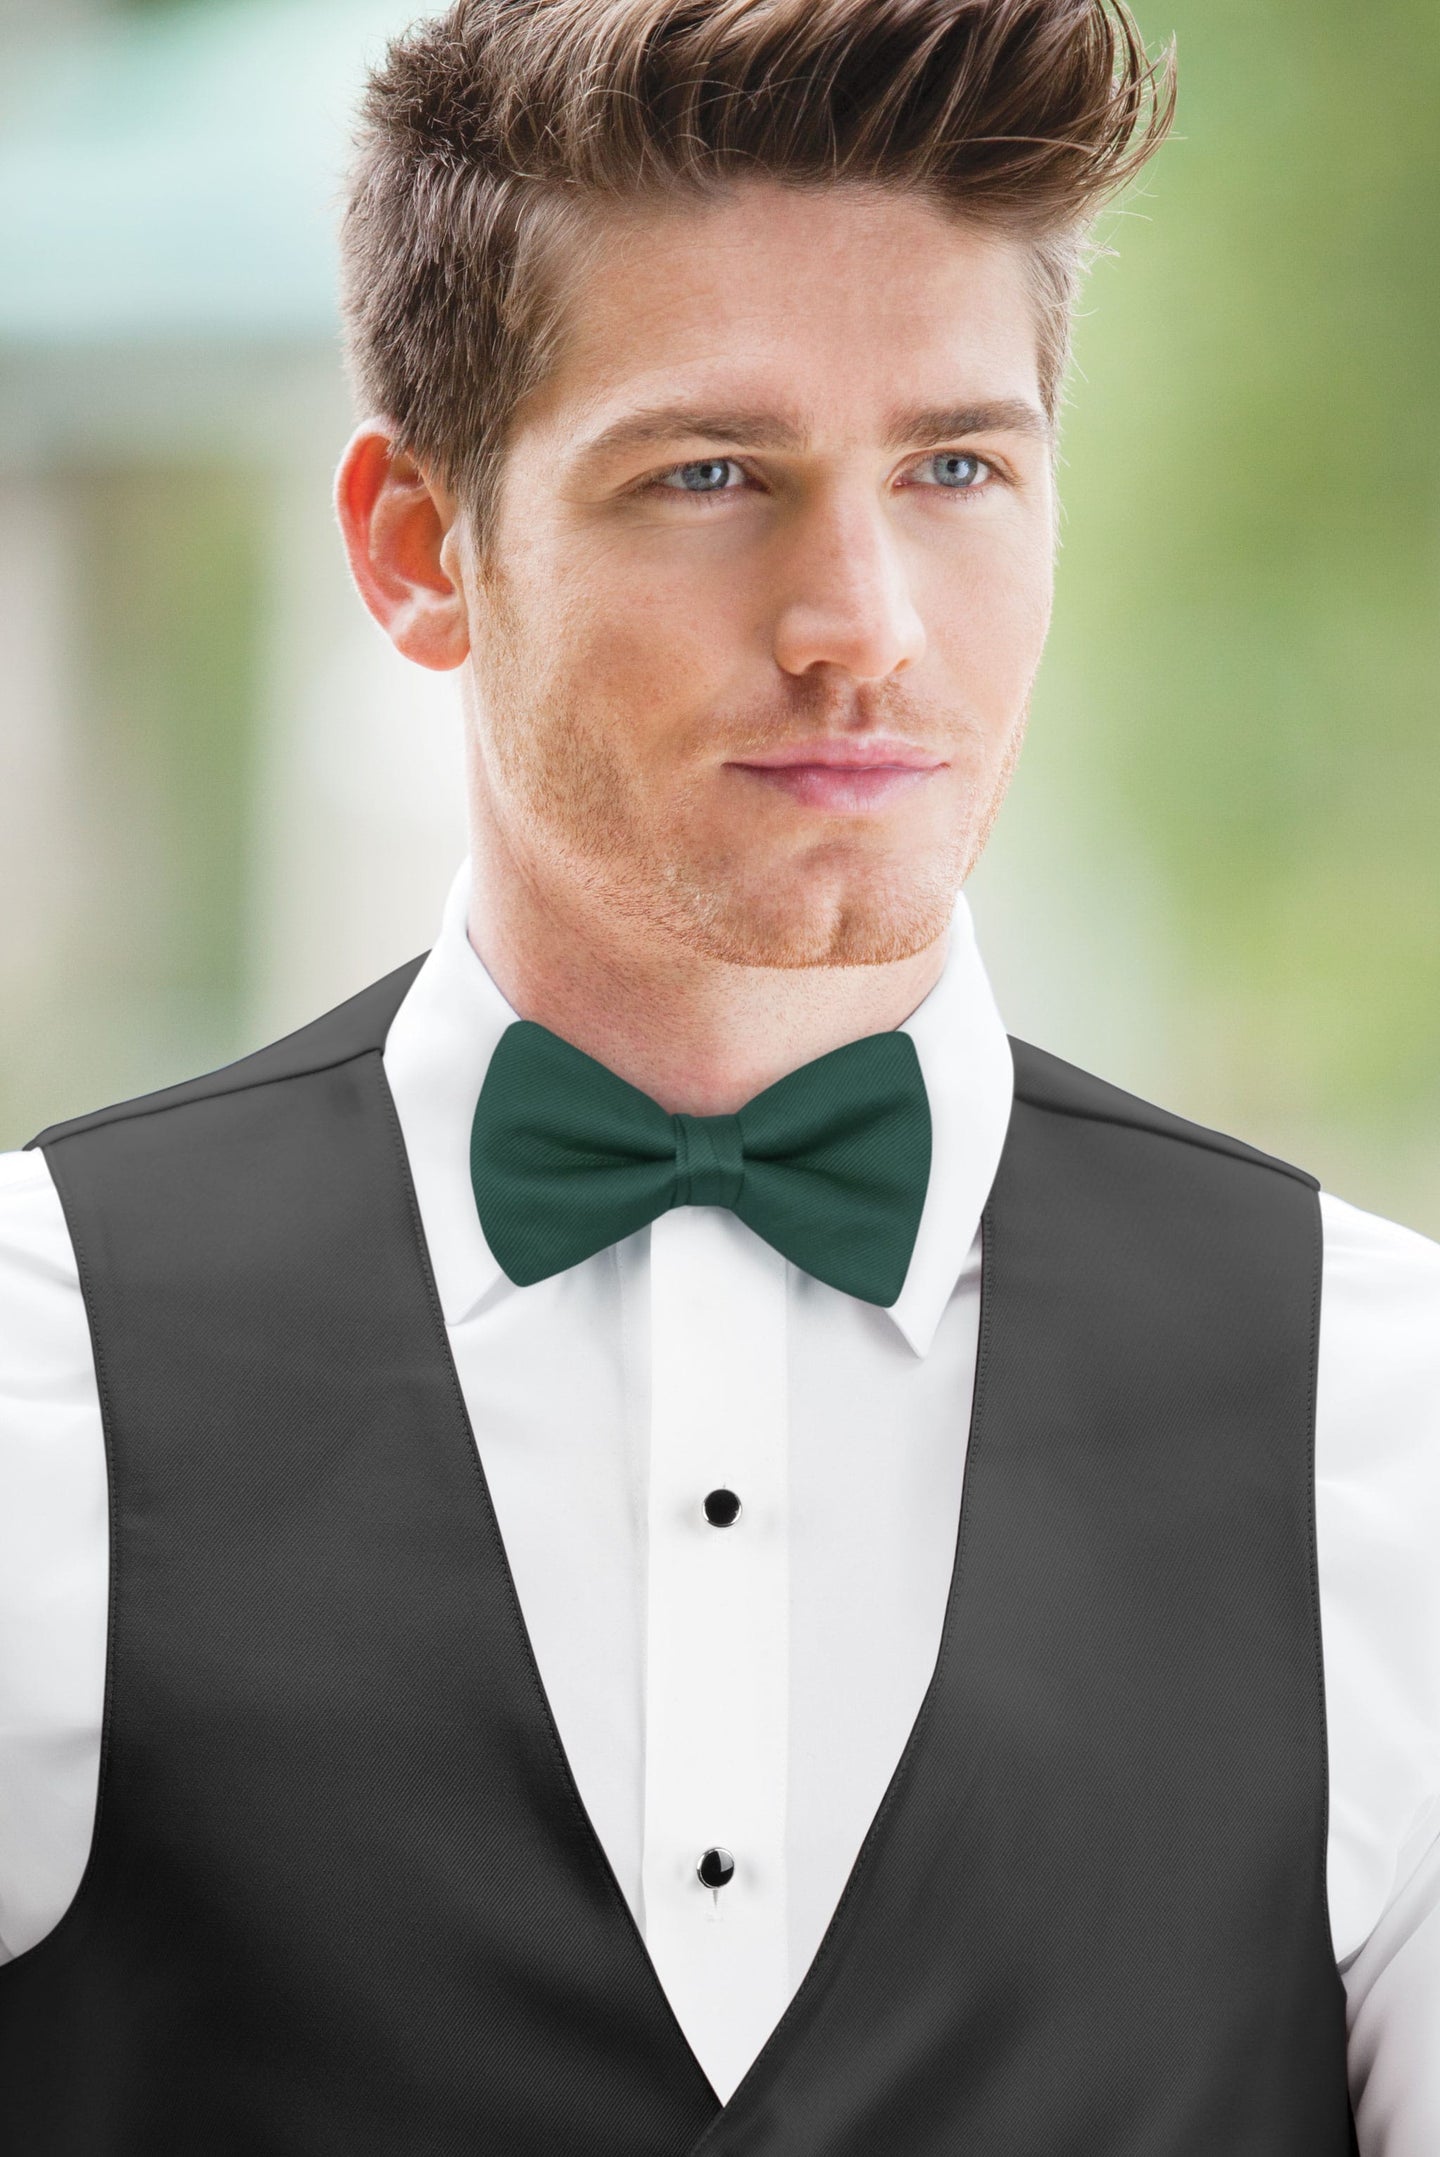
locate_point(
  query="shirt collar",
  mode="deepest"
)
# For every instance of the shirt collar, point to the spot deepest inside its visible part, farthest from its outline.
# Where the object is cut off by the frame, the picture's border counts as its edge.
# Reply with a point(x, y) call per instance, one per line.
point(442, 1037)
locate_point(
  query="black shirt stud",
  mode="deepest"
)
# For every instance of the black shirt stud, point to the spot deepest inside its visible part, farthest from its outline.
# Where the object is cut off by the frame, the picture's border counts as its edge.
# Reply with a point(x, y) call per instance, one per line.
point(715, 1867)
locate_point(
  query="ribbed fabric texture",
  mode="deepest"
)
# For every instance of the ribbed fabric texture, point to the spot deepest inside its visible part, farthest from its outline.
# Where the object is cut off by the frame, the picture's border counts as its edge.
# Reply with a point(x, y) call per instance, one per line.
point(830, 1164)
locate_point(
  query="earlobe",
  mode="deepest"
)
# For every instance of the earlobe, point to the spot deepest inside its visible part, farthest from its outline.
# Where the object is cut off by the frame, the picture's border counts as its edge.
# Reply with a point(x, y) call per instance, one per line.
point(395, 523)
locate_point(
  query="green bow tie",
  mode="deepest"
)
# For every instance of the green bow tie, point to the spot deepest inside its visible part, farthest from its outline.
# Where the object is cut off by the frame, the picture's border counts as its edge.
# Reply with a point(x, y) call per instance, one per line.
point(829, 1164)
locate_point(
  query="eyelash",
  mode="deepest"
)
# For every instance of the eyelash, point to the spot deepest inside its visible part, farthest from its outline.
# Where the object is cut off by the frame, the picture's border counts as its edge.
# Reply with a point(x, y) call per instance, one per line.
point(723, 494)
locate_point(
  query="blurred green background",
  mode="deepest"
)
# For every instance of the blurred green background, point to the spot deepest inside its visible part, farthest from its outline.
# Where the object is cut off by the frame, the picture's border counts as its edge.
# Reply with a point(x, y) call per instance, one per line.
point(224, 804)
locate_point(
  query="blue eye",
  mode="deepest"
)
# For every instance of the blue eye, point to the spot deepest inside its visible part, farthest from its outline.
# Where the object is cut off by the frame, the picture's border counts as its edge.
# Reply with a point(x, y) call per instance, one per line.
point(705, 478)
point(960, 472)
point(696, 478)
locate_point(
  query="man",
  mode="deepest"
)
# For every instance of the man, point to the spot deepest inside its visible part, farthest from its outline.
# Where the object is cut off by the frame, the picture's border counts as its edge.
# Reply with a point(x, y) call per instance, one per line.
point(555, 1697)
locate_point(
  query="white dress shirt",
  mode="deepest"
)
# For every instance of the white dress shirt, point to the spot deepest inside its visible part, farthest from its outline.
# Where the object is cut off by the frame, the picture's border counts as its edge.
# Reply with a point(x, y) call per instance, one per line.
point(753, 1687)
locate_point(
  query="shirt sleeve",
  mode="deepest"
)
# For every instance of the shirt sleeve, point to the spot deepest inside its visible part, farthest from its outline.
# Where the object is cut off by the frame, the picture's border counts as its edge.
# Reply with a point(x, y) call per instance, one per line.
point(1377, 1449)
point(54, 1560)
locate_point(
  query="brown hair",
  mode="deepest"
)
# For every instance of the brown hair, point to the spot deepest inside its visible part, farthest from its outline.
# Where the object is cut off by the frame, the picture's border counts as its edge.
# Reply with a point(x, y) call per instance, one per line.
point(489, 133)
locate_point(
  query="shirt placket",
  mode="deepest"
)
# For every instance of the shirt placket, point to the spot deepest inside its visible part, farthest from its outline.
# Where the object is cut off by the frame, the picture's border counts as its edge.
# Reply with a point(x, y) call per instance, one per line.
point(717, 1646)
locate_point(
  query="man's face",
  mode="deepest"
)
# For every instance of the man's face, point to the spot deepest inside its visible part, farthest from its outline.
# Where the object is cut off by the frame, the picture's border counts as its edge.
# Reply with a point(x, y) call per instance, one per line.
point(844, 550)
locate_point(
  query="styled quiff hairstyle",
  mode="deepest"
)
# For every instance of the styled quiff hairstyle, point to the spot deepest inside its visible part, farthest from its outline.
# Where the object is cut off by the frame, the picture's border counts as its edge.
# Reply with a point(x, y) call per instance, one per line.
point(490, 136)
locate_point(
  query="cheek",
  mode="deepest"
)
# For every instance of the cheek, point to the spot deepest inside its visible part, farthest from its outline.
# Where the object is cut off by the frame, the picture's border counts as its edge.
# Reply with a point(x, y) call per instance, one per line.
point(651, 660)
point(990, 624)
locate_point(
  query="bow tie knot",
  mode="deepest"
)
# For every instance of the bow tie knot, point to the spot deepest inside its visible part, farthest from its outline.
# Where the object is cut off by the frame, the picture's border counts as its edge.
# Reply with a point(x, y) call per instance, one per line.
point(709, 1160)
point(829, 1165)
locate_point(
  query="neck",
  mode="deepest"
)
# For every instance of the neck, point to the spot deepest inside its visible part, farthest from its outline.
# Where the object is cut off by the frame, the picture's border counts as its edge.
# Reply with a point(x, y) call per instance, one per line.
point(700, 1036)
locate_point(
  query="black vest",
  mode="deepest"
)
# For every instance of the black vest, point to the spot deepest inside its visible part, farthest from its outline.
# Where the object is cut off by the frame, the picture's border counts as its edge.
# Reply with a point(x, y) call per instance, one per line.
point(344, 1899)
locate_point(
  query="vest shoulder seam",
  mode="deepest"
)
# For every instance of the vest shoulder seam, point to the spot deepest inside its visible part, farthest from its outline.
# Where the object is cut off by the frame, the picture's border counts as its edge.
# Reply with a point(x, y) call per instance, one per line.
point(285, 1058)
point(1237, 1151)
point(1131, 1113)
point(143, 1105)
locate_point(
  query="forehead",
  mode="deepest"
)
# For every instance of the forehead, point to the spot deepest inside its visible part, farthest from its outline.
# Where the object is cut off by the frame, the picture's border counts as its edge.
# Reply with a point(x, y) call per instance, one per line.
point(833, 302)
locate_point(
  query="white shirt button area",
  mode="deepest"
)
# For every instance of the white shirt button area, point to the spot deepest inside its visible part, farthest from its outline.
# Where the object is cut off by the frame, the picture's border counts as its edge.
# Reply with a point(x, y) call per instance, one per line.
point(716, 1866)
point(717, 1668)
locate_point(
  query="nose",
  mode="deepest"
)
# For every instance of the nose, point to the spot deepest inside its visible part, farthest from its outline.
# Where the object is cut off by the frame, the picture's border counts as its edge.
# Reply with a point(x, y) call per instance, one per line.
point(844, 596)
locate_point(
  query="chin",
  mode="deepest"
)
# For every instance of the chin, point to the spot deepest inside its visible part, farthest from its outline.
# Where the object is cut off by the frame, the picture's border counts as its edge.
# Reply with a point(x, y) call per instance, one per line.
point(877, 922)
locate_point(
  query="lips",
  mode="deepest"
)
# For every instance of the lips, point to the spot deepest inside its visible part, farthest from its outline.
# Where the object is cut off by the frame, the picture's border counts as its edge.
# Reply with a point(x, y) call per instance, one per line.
point(846, 775)
point(847, 752)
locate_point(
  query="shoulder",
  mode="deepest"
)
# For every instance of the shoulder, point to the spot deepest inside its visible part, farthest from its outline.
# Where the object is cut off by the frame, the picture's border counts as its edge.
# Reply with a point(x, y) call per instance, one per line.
point(34, 1241)
point(45, 1356)
point(353, 1028)
point(1378, 1260)
point(1051, 1085)
point(1377, 1518)
point(1380, 1347)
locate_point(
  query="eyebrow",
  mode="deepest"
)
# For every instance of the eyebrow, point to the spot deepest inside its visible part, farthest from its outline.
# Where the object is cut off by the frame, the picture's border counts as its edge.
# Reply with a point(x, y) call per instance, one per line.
point(766, 430)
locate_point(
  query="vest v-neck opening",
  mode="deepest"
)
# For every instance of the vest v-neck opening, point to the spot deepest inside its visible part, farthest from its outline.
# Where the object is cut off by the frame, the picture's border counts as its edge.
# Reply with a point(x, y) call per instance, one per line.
point(870, 1852)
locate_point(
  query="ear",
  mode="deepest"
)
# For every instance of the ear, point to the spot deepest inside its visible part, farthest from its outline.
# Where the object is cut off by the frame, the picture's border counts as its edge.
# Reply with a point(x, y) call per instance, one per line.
point(395, 524)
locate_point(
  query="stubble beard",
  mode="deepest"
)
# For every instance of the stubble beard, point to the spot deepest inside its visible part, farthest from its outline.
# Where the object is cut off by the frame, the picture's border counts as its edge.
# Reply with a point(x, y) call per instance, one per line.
point(582, 829)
